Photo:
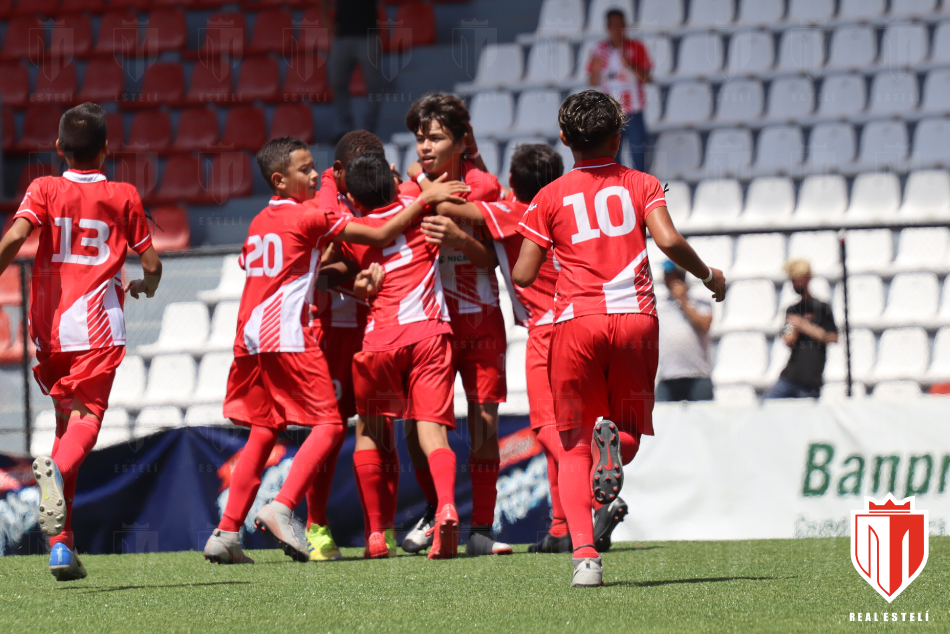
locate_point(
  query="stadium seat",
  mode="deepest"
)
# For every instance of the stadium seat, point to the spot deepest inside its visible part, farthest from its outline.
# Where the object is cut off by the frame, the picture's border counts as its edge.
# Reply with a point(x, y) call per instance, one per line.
point(560, 18)
point(201, 415)
point(821, 197)
point(893, 93)
point(103, 80)
point(769, 201)
point(181, 181)
point(718, 250)
point(70, 37)
point(138, 5)
point(312, 34)
point(759, 255)
point(55, 84)
point(791, 98)
point(700, 55)
point(653, 108)
point(921, 248)
point(663, 14)
point(810, 11)
point(305, 80)
point(165, 30)
point(224, 35)
point(244, 129)
point(537, 113)
point(679, 202)
point(115, 130)
point(151, 130)
point(750, 53)
point(419, 18)
point(740, 101)
point(741, 357)
point(129, 384)
point(185, 327)
point(853, 47)
point(154, 419)
point(489, 151)
point(223, 325)
point(162, 84)
point(24, 39)
point(118, 35)
point(137, 168)
point(659, 47)
point(926, 195)
point(197, 130)
point(860, 9)
point(94, 7)
point(500, 65)
point(10, 289)
point(597, 14)
point(760, 12)
point(869, 250)
point(939, 370)
point(491, 112)
point(865, 300)
point(837, 391)
point(230, 286)
point(904, 45)
point(912, 300)
point(734, 395)
point(16, 84)
point(170, 229)
point(213, 377)
point(863, 352)
point(883, 145)
point(40, 128)
point(292, 119)
point(688, 103)
point(229, 176)
point(902, 353)
point(273, 32)
point(677, 154)
point(820, 248)
point(46, 8)
point(749, 305)
point(874, 196)
point(712, 13)
point(896, 390)
point(728, 153)
point(912, 8)
point(842, 96)
point(550, 62)
point(208, 85)
point(780, 150)
point(931, 138)
point(831, 146)
point(716, 203)
point(171, 380)
point(940, 50)
point(801, 50)
point(937, 92)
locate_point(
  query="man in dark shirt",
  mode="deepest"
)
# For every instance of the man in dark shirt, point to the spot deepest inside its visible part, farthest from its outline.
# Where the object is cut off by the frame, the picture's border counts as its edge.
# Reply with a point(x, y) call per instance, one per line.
point(809, 328)
point(356, 41)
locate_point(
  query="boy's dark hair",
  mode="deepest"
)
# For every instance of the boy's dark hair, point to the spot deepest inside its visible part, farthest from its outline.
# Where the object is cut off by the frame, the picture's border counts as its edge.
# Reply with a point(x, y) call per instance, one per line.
point(354, 143)
point(533, 166)
point(614, 13)
point(370, 181)
point(275, 155)
point(82, 132)
point(448, 110)
point(589, 118)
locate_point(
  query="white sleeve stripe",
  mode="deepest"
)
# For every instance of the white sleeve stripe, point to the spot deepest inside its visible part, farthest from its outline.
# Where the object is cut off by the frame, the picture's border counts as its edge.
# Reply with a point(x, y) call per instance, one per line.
point(663, 198)
point(493, 219)
point(543, 237)
point(335, 225)
point(148, 237)
point(30, 211)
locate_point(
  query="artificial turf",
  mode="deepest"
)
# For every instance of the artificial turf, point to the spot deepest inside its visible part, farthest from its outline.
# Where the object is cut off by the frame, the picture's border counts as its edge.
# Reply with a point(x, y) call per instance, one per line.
point(806, 585)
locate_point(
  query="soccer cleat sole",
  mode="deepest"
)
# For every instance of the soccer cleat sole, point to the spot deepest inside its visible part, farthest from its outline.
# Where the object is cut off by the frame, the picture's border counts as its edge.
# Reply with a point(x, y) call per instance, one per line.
point(65, 573)
point(448, 538)
point(607, 477)
point(290, 551)
point(52, 516)
point(603, 543)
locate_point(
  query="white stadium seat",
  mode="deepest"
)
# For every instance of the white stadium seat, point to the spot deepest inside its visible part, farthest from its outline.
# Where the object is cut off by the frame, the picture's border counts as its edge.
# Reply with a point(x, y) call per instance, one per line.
point(185, 327)
point(661, 13)
point(537, 113)
point(500, 65)
point(863, 352)
point(716, 250)
point(931, 140)
point(927, 194)
point(860, 9)
point(831, 146)
point(213, 377)
point(821, 248)
point(912, 300)
point(115, 428)
point(171, 380)
point(129, 384)
point(223, 326)
point(896, 390)
point(688, 102)
point(679, 202)
point(937, 92)
point(700, 55)
point(902, 353)
point(492, 112)
point(769, 201)
point(883, 145)
point(749, 305)
point(677, 153)
point(801, 50)
point(653, 109)
point(904, 45)
point(791, 98)
point(741, 358)
point(560, 18)
point(550, 62)
point(913, 8)
point(488, 150)
point(865, 300)
point(199, 415)
point(711, 13)
point(231, 284)
point(781, 149)
point(751, 52)
point(874, 196)
point(852, 47)
point(759, 255)
point(921, 248)
point(893, 93)
point(740, 100)
point(842, 96)
point(597, 14)
point(728, 152)
point(716, 202)
point(810, 11)
point(940, 52)
point(821, 197)
point(660, 48)
point(940, 361)
point(153, 419)
point(761, 12)
point(869, 250)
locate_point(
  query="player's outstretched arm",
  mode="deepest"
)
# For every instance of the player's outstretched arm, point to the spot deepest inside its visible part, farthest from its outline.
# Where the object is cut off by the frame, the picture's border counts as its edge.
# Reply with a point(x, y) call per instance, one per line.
point(529, 263)
point(677, 249)
point(369, 281)
point(152, 270)
point(442, 231)
point(12, 241)
point(467, 213)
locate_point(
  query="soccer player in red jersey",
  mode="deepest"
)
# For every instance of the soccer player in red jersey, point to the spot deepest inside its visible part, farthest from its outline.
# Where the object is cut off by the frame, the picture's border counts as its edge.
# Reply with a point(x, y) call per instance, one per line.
point(86, 225)
point(405, 367)
point(279, 376)
point(604, 348)
point(445, 145)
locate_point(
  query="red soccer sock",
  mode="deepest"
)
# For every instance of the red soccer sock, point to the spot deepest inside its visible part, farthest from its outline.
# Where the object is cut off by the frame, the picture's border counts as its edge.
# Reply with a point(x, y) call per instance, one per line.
point(390, 466)
point(359, 491)
point(246, 477)
point(75, 444)
point(442, 465)
point(574, 485)
point(551, 442)
point(424, 478)
point(323, 442)
point(484, 474)
point(368, 464)
point(318, 495)
point(629, 445)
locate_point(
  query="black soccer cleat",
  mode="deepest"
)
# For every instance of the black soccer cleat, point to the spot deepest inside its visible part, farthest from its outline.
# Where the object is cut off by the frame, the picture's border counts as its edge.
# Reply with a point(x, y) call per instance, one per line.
point(606, 519)
point(608, 472)
point(551, 544)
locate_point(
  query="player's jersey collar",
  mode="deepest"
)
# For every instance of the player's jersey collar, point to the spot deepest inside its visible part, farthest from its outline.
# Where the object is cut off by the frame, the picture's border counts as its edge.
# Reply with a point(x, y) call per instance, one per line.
point(84, 176)
point(604, 161)
point(276, 201)
point(388, 210)
point(346, 201)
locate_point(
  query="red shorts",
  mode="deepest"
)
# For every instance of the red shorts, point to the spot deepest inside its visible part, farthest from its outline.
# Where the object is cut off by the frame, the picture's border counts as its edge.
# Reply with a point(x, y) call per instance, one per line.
point(605, 365)
point(414, 382)
point(540, 399)
point(339, 346)
point(478, 350)
point(276, 389)
point(85, 375)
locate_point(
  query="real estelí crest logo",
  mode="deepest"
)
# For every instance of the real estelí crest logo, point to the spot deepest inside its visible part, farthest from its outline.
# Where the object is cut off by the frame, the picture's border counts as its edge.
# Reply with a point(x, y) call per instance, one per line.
point(889, 544)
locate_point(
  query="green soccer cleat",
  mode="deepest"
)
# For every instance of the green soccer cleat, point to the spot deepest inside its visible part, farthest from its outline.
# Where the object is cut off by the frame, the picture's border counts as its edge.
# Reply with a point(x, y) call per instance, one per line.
point(391, 541)
point(320, 544)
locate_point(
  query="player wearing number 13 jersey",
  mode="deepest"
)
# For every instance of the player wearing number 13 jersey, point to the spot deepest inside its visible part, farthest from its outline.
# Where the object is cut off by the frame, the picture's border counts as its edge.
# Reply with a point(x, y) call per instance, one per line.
point(604, 349)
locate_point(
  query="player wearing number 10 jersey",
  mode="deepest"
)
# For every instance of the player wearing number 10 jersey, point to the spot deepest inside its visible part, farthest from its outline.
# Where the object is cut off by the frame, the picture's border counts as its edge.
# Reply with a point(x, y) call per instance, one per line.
point(604, 350)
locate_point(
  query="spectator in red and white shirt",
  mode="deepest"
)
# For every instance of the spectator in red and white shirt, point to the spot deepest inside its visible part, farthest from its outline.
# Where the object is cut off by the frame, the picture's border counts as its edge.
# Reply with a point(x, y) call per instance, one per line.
point(619, 66)
point(604, 350)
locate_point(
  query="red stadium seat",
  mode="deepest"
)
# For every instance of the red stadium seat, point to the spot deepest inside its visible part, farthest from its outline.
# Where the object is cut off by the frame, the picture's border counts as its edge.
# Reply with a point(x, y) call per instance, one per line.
point(26, 39)
point(312, 33)
point(197, 130)
point(170, 229)
point(224, 34)
point(419, 19)
point(16, 84)
point(118, 35)
point(138, 169)
point(55, 84)
point(181, 180)
point(229, 177)
point(78, 6)
point(165, 30)
point(40, 128)
point(151, 131)
point(6, 9)
point(36, 7)
point(71, 37)
point(163, 84)
point(258, 80)
point(209, 84)
point(273, 32)
point(115, 131)
point(293, 119)
point(138, 5)
point(10, 290)
point(244, 129)
point(8, 129)
point(104, 80)
point(306, 79)
point(258, 5)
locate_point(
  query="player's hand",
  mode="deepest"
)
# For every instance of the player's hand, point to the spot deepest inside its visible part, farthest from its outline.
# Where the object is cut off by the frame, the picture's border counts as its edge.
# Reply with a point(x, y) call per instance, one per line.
point(441, 230)
point(442, 190)
point(797, 322)
point(414, 169)
point(717, 285)
point(135, 287)
point(471, 146)
point(368, 281)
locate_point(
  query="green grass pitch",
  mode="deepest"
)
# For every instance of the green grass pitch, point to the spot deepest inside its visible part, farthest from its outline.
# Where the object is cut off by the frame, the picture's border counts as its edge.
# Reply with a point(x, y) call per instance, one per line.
point(806, 585)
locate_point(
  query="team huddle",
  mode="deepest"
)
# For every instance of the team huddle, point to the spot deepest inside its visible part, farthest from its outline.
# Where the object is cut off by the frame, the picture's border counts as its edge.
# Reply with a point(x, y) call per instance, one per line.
point(366, 297)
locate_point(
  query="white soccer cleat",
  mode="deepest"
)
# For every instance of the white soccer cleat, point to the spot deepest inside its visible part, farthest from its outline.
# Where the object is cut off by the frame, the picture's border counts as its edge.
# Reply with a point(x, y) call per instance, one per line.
point(52, 496)
point(588, 573)
point(277, 521)
point(224, 547)
point(420, 537)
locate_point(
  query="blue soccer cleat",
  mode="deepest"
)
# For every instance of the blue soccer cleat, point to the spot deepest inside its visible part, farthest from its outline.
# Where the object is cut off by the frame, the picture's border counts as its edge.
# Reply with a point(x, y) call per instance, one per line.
point(64, 563)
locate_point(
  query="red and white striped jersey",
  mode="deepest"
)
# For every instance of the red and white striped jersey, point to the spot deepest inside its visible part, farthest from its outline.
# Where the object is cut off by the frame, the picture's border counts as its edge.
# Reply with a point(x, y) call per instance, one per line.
point(280, 258)
point(595, 219)
point(616, 78)
point(86, 224)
